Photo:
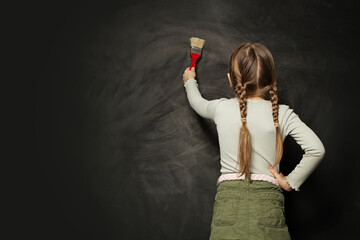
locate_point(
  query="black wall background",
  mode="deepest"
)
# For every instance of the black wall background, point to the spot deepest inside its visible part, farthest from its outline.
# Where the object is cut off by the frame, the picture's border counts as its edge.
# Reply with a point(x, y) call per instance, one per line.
point(119, 152)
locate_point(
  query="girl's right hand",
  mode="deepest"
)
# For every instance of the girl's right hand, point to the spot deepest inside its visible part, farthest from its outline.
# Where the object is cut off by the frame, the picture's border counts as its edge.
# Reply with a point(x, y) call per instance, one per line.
point(281, 179)
point(189, 74)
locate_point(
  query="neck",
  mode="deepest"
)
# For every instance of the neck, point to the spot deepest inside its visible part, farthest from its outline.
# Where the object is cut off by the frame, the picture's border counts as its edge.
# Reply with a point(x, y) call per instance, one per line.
point(256, 98)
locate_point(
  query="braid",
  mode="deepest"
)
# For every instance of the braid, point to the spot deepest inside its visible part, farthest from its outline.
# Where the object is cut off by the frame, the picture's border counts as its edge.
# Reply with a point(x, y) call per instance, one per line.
point(241, 92)
point(244, 137)
point(275, 104)
point(275, 109)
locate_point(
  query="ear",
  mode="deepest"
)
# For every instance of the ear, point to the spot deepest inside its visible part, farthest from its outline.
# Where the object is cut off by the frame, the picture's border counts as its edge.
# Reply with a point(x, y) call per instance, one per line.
point(231, 85)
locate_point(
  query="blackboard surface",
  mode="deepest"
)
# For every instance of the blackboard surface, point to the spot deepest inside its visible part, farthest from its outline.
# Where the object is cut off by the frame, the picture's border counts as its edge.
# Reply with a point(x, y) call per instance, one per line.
point(120, 153)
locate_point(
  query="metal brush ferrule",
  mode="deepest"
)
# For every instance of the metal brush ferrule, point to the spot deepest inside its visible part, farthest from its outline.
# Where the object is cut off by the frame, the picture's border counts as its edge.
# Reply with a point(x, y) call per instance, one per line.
point(195, 50)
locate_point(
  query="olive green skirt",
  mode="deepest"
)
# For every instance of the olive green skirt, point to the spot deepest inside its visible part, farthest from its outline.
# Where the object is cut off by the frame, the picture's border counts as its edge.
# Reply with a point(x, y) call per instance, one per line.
point(247, 210)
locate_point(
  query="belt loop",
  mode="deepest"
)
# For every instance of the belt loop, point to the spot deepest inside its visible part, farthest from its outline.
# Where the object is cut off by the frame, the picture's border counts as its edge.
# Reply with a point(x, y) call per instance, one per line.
point(248, 180)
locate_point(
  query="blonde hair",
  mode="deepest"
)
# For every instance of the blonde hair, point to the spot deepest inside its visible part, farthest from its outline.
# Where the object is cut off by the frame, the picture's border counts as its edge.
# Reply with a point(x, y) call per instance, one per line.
point(252, 73)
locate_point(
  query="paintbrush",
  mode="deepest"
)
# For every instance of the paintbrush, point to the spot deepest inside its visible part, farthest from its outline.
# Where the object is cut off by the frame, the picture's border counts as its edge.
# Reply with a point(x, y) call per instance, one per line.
point(195, 51)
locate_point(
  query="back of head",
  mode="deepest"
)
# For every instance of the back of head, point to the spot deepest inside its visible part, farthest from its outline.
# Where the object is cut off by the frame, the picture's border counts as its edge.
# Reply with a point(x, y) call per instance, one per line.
point(252, 74)
point(251, 66)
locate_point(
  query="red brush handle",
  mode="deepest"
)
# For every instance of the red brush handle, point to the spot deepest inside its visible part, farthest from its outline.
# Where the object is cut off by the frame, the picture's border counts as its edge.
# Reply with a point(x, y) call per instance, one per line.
point(194, 57)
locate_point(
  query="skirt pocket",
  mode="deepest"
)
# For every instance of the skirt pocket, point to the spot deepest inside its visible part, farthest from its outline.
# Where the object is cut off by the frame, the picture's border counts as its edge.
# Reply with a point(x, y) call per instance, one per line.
point(272, 211)
point(226, 208)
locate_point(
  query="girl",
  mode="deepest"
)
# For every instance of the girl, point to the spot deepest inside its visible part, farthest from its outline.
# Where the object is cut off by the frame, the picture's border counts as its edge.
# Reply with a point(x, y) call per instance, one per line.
point(249, 202)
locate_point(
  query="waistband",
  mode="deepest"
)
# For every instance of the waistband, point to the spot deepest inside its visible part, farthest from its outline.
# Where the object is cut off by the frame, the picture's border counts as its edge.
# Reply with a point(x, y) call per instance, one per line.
point(254, 176)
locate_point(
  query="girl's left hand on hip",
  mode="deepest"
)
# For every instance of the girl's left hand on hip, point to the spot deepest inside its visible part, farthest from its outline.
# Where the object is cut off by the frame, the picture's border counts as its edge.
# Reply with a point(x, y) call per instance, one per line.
point(281, 179)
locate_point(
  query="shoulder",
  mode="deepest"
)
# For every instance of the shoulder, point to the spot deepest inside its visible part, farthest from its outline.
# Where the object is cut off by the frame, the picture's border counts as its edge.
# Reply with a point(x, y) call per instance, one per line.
point(222, 100)
point(287, 114)
point(285, 110)
point(288, 118)
point(222, 104)
point(225, 101)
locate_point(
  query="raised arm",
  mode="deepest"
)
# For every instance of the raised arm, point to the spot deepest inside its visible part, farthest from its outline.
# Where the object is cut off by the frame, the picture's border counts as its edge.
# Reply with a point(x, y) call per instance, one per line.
point(309, 143)
point(205, 108)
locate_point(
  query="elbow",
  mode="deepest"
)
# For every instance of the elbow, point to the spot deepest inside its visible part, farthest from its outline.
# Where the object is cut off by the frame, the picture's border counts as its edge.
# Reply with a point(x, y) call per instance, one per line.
point(317, 151)
point(321, 151)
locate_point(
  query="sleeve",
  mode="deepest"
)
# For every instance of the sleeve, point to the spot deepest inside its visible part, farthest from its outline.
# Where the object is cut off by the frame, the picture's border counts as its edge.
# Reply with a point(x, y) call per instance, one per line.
point(314, 150)
point(201, 106)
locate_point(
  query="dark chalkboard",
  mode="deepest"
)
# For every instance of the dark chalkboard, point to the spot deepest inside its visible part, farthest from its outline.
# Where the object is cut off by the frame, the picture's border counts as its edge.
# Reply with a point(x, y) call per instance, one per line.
point(121, 154)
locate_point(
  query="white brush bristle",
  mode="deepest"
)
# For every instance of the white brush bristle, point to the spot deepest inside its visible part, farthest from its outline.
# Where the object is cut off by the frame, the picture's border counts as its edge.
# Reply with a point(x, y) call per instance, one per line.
point(197, 42)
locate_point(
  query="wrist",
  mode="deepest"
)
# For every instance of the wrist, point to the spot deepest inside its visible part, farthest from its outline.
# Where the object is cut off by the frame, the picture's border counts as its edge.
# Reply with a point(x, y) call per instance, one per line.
point(185, 81)
point(290, 188)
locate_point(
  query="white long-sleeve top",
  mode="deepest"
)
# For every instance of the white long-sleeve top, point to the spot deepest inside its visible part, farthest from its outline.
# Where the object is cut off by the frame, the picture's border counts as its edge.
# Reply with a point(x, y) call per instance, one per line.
point(226, 115)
